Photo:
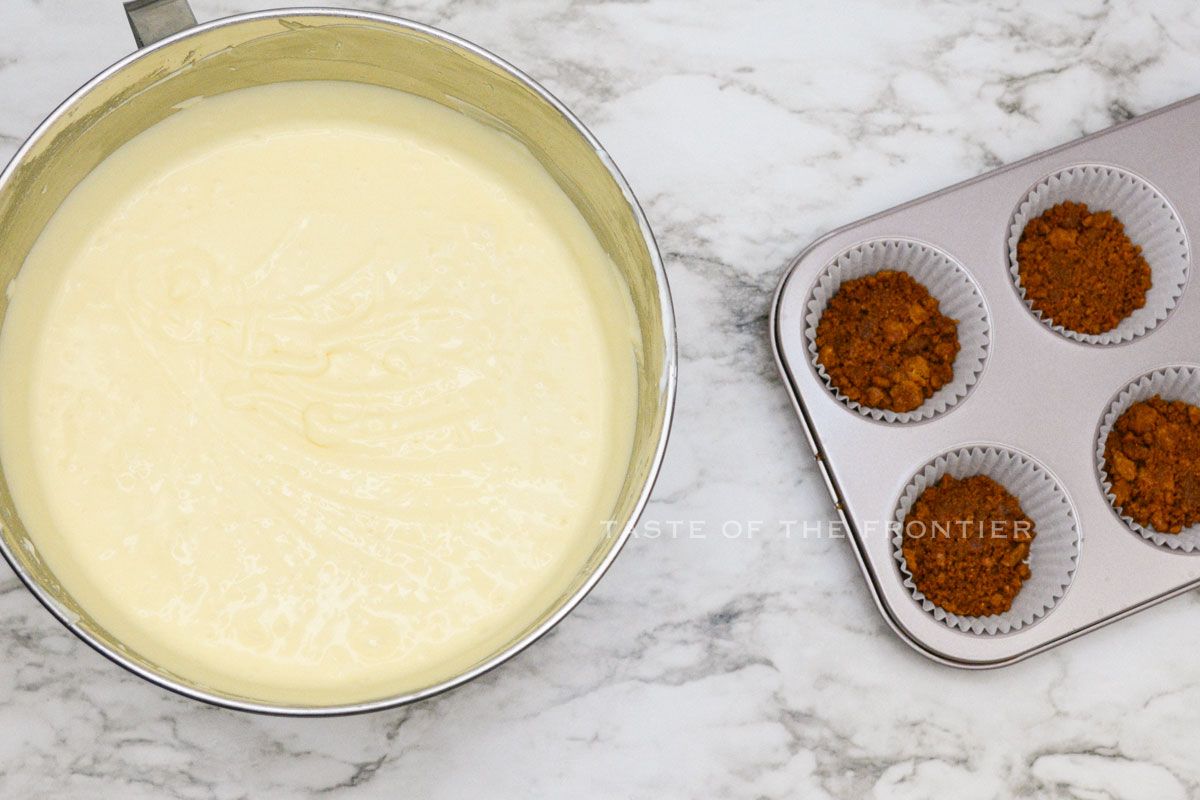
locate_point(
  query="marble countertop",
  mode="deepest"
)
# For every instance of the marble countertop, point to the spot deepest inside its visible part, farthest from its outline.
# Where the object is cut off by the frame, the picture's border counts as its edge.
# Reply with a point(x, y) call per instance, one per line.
point(719, 657)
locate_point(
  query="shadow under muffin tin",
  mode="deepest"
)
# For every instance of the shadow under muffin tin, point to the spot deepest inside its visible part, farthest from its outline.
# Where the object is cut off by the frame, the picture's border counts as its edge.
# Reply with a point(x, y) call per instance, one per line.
point(1035, 395)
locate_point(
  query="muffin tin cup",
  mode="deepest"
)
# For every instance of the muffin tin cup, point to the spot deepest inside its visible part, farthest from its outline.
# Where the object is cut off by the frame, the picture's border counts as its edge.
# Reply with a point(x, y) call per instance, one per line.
point(1053, 554)
point(946, 280)
point(1171, 383)
point(1150, 222)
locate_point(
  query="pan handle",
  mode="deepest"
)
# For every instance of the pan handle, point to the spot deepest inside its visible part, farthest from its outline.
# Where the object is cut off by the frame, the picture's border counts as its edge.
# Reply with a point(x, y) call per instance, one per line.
point(152, 20)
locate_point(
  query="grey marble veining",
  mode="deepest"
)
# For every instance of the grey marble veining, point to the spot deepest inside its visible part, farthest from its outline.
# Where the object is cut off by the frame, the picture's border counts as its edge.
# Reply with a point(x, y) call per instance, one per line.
point(710, 661)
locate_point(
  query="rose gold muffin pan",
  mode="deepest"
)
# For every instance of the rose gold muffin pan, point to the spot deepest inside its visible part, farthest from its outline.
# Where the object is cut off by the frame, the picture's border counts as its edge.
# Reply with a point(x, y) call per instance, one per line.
point(1034, 394)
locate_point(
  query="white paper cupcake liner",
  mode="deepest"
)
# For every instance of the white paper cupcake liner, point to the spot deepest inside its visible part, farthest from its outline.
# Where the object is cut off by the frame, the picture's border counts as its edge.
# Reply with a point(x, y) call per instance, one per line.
point(1150, 222)
point(1171, 383)
point(946, 280)
point(1053, 554)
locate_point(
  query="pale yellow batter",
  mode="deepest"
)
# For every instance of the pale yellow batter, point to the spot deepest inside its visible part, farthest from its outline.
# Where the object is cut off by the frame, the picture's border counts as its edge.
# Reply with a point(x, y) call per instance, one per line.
point(317, 392)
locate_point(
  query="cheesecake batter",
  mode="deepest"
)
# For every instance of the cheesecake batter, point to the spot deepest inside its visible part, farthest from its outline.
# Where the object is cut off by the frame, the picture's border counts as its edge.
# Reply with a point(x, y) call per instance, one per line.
point(317, 392)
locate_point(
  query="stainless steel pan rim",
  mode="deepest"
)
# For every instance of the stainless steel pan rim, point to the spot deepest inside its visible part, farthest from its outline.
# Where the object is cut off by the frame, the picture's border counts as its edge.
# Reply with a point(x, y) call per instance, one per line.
point(667, 388)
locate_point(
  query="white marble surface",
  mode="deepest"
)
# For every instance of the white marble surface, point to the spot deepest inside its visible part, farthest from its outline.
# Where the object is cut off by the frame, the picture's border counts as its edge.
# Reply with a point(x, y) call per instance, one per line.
point(704, 665)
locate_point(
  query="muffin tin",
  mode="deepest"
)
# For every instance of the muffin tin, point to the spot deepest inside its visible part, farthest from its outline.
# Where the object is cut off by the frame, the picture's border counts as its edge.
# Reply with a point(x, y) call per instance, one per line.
point(1035, 398)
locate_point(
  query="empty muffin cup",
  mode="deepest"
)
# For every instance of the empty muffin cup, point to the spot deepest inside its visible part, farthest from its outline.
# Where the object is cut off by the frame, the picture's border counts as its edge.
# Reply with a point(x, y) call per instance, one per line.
point(945, 279)
point(1053, 553)
point(1150, 223)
